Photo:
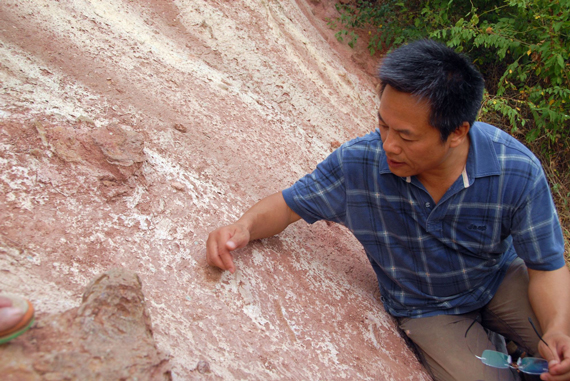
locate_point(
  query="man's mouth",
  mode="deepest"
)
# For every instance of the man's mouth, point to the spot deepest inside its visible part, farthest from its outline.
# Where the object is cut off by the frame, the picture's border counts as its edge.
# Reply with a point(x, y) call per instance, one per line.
point(394, 163)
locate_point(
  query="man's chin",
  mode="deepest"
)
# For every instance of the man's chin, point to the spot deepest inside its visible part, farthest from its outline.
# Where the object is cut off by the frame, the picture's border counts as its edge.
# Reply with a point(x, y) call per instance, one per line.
point(399, 170)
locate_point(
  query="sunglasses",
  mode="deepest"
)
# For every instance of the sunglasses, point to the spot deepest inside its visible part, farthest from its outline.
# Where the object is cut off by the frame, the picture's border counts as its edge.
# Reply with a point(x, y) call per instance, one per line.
point(528, 365)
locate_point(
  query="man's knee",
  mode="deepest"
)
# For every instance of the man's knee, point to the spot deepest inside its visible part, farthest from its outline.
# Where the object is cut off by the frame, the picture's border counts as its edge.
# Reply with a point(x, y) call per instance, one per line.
point(446, 351)
point(509, 311)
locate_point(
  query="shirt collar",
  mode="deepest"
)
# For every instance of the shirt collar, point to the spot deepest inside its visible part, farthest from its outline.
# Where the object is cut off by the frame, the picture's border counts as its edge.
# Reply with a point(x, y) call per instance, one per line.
point(482, 159)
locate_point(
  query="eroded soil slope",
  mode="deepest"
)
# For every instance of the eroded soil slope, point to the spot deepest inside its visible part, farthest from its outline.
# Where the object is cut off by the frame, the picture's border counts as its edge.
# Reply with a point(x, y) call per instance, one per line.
point(129, 129)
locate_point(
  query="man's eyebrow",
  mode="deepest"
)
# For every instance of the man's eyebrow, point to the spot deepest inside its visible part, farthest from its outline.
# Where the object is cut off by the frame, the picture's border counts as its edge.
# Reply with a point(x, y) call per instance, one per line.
point(402, 131)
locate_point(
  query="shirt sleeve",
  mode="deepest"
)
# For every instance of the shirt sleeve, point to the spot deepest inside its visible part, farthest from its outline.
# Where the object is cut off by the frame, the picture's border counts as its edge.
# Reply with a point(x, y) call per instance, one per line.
point(537, 235)
point(320, 195)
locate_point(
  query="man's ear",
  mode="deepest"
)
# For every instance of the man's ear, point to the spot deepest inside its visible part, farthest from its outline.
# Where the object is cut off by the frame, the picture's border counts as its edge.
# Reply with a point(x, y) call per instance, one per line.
point(459, 135)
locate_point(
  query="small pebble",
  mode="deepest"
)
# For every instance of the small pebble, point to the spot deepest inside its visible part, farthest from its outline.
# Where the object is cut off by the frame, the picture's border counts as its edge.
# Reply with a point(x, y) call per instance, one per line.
point(176, 185)
point(180, 127)
point(203, 366)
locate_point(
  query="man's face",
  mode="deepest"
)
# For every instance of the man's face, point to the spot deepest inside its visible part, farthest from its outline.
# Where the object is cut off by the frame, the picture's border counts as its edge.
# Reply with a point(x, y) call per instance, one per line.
point(412, 145)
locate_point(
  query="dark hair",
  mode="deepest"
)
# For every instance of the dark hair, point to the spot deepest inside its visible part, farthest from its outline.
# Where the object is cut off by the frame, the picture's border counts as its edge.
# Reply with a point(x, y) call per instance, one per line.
point(446, 79)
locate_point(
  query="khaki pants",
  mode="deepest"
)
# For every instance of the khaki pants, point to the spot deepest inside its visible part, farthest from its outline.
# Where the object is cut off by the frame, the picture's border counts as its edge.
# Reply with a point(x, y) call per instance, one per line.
point(449, 355)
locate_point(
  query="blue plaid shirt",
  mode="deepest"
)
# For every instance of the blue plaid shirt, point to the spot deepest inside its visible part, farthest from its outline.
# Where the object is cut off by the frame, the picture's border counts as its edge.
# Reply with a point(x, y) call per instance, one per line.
point(447, 258)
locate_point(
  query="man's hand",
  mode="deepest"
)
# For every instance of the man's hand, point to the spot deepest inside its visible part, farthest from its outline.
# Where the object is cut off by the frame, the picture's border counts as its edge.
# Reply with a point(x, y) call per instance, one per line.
point(549, 294)
point(222, 241)
point(268, 217)
point(558, 356)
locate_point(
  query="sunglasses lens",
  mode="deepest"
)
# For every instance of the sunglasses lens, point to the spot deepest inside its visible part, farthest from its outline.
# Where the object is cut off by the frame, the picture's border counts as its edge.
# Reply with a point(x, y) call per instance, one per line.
point(533, 365)
point(495, 359)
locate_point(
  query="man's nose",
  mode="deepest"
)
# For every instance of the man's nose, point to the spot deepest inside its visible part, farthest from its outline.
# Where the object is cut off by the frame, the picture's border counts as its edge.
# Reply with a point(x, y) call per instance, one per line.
point(390, 144)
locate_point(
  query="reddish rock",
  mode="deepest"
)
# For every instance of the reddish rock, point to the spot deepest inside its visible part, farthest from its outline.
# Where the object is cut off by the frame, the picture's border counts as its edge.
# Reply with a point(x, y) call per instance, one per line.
point(180, 127)
point(109, 337)
point(94, 175)
point(119, 145)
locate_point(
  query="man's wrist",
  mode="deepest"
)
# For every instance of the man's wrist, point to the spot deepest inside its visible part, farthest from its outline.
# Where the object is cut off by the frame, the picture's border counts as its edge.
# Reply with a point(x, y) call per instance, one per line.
point(245, 225)
point(555, 329)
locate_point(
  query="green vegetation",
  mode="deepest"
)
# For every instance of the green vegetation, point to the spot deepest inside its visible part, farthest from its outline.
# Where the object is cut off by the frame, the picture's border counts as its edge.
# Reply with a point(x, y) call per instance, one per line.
point(521, 47)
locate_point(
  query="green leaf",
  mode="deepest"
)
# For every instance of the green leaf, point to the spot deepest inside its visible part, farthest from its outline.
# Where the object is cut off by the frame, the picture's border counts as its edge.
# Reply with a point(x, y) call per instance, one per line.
point(475, 20)
point(560, 61)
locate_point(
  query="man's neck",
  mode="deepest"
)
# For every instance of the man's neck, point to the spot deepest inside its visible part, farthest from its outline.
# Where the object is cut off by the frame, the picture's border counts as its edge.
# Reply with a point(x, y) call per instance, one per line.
point(439, 180)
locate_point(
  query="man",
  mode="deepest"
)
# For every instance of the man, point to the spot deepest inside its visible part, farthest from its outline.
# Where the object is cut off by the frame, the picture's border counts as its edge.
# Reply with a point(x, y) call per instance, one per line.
point(456, 218)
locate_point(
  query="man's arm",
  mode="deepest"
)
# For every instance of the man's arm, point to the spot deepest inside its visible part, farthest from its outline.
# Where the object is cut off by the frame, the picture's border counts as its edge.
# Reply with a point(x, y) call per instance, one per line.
point(549, 294)
point(268, 217)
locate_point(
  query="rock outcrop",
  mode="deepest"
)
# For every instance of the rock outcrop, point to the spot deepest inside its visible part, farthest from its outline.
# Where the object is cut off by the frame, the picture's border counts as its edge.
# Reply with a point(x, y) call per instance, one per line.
point(109, 337)
point(129, 129)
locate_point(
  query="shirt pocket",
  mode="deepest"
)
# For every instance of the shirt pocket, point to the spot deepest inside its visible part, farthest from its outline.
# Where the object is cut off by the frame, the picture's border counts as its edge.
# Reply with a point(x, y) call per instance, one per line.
point(480, 236)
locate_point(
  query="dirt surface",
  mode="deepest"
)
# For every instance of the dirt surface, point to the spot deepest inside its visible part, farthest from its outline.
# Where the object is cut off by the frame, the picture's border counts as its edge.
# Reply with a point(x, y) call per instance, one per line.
point(109, 337)
point(129, 129)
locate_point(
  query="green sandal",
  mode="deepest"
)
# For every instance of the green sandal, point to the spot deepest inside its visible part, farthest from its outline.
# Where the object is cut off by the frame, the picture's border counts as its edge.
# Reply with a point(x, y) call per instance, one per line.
point(25, 322)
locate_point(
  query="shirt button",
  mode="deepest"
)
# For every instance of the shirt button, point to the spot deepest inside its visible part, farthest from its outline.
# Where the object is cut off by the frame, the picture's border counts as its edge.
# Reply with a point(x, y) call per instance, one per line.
point(428, 205)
